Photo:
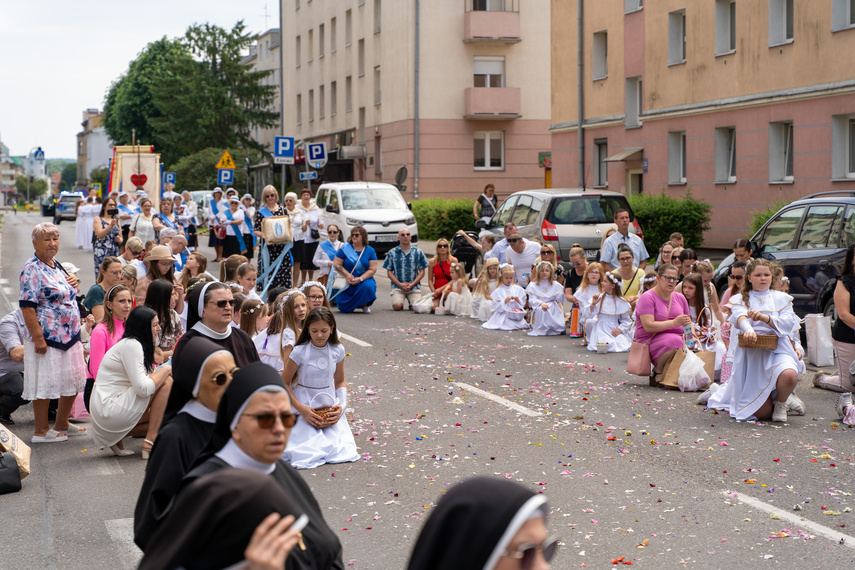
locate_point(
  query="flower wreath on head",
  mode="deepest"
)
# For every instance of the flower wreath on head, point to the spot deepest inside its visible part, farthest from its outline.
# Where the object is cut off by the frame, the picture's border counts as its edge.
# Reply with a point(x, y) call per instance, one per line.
point(252, 310)
point(308, 284)
point(288, 296)
point(193, 286)
point(614, 279)
point(648, 279)
point(539, 263)
point(785, 279)
point(503, 265)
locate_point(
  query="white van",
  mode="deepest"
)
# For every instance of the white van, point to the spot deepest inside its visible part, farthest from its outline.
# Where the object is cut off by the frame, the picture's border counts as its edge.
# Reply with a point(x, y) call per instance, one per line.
point(376, 206)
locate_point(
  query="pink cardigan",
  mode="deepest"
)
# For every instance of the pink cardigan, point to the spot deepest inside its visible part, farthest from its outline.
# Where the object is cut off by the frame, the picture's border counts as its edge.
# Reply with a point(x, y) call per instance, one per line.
point(100, 342)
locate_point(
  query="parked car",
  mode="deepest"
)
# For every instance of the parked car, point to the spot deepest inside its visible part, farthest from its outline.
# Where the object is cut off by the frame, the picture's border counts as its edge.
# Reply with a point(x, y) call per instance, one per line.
point(376, 206)
point(66, 206)
point(562, 217)
point(808, 238)
point(48, 205)
point(203, 205)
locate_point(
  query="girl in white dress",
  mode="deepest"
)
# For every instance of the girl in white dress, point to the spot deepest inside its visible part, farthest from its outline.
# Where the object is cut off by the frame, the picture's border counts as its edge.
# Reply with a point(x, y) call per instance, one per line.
point(508, 303)
point(488, 280)
point(613, 317)
point(314, 376)
point(762, 381)
point(458, 299)
point(591, 285)
point(80, 223)
point(247, 277)
point(546, 299)
point(704, 327)
point(275, 344)
point(253, 317)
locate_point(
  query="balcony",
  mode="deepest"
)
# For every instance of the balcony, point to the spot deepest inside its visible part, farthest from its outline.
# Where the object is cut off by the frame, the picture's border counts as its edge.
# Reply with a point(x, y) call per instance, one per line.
point(496, 21)
point(492, 103)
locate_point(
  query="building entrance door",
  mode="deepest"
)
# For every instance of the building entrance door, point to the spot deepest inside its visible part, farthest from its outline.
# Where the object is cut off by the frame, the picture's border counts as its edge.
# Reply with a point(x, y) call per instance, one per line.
point(634, 182)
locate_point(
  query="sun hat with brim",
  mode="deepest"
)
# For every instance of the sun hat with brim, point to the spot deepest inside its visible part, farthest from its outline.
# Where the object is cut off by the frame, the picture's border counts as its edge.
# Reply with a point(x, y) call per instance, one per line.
point(230, 190)
point(234, 199)
point(69, 267)
point(160, 253)
point(217, 189)
point(245, 196)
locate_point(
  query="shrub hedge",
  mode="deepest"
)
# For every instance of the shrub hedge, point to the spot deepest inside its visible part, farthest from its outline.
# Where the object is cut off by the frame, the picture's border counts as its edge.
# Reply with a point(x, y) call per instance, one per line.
point(441, 218)
point(661, 215)
point(762, 216)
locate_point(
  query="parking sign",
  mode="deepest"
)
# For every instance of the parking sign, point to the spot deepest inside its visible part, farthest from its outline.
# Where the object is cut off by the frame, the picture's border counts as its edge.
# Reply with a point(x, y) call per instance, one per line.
point(316, 154)
point(225, 176)
point(283, 150)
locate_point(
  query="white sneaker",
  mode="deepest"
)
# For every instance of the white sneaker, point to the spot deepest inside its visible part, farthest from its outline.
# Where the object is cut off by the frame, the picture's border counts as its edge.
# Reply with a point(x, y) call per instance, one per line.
point(843, 400)
point(795, 404)
point(779, 414)
point(705, 397)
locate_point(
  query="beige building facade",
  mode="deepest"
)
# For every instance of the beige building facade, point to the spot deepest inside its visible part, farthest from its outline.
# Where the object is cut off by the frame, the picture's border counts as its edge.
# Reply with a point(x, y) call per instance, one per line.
point(264, 56)
point(471, 106)
point(742, 102)
point(94, 147)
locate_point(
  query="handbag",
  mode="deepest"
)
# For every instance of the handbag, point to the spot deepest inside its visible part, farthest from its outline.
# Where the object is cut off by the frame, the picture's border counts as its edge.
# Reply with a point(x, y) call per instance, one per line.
point(316, 234)
point(820, 350)
point(10, 477)
point(638, 362)
point(10, 443)
point(276, 229)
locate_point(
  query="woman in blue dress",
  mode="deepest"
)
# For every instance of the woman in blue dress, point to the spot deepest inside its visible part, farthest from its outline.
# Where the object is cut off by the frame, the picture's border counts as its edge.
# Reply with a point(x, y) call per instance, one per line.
point(357, 262)
point(108, 234)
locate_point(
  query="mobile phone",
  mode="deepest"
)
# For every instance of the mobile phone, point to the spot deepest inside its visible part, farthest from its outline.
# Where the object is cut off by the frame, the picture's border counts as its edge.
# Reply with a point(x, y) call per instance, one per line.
point(300, 523)
point(113, 212)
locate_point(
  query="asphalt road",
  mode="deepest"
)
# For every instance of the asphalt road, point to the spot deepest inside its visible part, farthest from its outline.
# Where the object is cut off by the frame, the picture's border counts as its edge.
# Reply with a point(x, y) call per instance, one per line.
point(630, 471)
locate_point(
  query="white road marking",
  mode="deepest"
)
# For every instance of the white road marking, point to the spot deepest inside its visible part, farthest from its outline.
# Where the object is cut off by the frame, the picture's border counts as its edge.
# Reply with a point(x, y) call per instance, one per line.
point(355, 340)
point(107, 467)
point(4, 281)
point(497, 399)
point(795, 519)
point(121, 532)
point(7, 291)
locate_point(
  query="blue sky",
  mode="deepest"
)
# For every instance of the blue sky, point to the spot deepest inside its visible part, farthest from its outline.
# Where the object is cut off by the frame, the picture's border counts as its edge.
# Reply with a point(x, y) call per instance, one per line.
point(60, 57)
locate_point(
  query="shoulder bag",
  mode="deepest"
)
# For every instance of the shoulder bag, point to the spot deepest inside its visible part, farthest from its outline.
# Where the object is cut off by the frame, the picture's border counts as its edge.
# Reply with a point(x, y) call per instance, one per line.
point(10, 477)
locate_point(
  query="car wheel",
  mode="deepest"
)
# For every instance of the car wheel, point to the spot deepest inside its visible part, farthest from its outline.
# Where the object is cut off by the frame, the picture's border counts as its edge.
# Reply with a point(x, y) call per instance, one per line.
point(829, 310)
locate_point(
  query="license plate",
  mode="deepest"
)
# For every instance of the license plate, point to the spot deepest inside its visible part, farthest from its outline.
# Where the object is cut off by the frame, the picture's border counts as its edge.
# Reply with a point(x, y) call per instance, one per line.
point(386, 238)
point(591, 253)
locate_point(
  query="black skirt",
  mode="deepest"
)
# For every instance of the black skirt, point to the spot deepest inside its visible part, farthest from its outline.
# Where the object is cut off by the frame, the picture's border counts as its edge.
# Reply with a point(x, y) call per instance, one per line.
point(231, 246)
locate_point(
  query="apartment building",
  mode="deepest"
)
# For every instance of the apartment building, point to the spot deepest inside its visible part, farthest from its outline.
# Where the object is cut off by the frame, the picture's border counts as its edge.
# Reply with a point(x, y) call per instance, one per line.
point(264, 56)
point(470, 105)
point(94, 147)
point(741, 102)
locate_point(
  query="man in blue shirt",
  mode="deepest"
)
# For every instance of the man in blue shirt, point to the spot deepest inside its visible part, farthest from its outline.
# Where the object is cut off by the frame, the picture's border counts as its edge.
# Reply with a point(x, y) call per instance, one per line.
point(608, 257)
point(502, 245)
point(405, 265)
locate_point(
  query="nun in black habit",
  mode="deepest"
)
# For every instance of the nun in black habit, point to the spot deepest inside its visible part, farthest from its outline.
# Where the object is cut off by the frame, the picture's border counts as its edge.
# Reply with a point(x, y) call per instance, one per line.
point(485, 524)
point(213, 523)
point(253, 423)
point(200, 378)
point(209, 314)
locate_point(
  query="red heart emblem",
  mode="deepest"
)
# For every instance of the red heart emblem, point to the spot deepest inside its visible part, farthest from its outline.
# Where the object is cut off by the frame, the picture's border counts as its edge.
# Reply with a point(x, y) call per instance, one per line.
point(138, 179)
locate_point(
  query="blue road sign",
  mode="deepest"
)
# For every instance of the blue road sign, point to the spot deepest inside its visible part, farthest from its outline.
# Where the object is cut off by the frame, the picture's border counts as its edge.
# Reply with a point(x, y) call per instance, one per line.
point(283, 150)
point(169, 178)
point(225, 176)
point(39, 154)
point(316, 154)
point(312, 175)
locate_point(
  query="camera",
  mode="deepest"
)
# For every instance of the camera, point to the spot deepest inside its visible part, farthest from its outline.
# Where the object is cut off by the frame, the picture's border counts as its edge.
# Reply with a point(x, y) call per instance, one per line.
point(113, 212)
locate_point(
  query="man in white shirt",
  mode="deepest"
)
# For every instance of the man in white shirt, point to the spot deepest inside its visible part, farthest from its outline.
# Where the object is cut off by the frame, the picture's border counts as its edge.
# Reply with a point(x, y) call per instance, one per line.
point(501, 247)
point(521, 254)
point(608, 257)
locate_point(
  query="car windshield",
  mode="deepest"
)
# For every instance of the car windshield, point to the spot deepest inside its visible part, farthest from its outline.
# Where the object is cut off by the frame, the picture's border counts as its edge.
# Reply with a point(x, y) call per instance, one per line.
point(372, 199)
point(586, 209)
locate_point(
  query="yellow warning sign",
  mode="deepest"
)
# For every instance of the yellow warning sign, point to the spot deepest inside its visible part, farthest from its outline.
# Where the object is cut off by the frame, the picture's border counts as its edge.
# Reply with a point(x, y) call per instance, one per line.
point(226, 161)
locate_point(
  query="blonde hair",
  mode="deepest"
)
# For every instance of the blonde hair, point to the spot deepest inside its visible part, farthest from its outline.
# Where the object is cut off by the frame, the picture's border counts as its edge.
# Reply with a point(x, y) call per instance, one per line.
point(554, 262)
point(459, 271)
point(606, 234)
point(551, 271)
point(575, 249)
point(482, 284)
point(591, 267)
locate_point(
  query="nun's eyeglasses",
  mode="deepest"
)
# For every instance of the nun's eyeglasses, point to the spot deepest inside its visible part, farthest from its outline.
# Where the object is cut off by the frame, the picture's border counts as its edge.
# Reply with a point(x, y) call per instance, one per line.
point(268, 420)
point(527, 552)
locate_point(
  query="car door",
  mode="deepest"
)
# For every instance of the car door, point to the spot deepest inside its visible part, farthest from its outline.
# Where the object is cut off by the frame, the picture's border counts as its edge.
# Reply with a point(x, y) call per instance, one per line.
point(502, 215)
point(813, 265)
point(520, 215)
point(776, 243)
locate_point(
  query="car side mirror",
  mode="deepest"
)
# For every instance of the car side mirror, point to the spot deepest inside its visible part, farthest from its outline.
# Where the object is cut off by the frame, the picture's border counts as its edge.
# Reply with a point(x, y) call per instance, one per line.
point(481, 225)
point(410, 206)
point(332, 209)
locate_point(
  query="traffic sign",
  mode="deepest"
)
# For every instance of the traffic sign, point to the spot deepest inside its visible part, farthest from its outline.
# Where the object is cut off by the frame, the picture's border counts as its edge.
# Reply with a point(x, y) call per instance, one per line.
point(97, 187)
point(283, 150)
point(168, 178)
point(39, 154)
point(225, 176)
point(312, 175)
point(316, 154)
point(226, 162)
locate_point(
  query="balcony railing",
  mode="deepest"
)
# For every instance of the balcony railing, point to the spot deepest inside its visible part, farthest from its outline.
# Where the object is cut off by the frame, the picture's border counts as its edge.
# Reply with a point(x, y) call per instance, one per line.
point(492, 103)
point(491, 21)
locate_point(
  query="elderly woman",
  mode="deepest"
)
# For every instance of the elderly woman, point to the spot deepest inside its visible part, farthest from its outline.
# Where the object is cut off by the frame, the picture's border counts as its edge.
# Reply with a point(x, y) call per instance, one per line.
point(357, 262)
point(108, 236)
point(166, 218)
point(271, 207)
point(109, 275)
point(254, 422)
point(662, 314)
point(53, 354)
point(206, 369)
point(143, 224)
point(325, 253)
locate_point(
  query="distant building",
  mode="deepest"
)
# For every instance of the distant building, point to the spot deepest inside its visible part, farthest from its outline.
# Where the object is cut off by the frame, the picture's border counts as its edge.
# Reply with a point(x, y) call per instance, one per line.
point(10, 169)
point(94, 147)
point(264, 56)
point(742, 103)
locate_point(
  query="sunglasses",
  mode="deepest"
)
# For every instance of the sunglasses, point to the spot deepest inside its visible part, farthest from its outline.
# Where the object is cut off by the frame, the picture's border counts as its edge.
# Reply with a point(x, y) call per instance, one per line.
point(404, 235)
point(577, 264)
point(222, 304)
point(513, 240)
point(737, 277)
point(546, 252)
point(139, 253)
point(527, 552)
point(442, 246)
point(222, 377)
point(268, 420)
point(669, 278)
point(334, 232)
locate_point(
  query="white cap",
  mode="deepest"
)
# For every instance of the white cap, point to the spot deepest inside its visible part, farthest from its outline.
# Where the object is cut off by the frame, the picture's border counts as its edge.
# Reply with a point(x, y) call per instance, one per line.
point(69, 267)
point(234, 199)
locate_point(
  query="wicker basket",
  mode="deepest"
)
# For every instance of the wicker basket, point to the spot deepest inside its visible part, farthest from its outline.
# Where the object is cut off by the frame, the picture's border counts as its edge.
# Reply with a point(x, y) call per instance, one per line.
point(765, 341)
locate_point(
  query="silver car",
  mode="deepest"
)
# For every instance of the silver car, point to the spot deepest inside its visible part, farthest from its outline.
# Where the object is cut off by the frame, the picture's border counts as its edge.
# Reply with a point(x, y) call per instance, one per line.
point(562, 217)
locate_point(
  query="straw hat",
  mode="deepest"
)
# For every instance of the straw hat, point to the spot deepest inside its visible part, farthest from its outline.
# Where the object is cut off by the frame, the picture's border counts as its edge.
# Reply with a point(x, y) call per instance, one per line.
point(160, 253)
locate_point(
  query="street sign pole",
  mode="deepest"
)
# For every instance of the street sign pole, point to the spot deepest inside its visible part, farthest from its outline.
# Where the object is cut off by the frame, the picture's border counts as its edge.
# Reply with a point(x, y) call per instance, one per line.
point(306, 160)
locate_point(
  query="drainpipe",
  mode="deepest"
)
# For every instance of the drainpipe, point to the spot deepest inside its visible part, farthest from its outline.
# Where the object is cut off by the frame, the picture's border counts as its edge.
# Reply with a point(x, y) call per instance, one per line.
point(580, 92)
point(416, 133)
point(281, 96)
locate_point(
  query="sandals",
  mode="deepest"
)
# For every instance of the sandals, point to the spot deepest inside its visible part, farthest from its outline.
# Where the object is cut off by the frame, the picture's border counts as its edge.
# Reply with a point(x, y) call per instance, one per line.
point(653, 382)
point(73, 430)
point(146, 452)
point(120, 452)
point(50, 437)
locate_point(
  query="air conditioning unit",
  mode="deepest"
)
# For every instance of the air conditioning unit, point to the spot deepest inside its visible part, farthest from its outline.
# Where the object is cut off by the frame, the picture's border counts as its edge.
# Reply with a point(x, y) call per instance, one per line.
point(351, 152)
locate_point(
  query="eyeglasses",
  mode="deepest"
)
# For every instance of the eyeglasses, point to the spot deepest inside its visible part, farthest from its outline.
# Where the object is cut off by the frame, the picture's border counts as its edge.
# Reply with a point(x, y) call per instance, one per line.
point(222, 304)
point(139, 253)
point(625, 258)
point(316, 297)
point(546, 252)
point(222, 377)
point(668, 278)
point(527, 552)
point(442, 246)
point(268, 420)
point(577, 264)
point(333, 232)
point(513, 240)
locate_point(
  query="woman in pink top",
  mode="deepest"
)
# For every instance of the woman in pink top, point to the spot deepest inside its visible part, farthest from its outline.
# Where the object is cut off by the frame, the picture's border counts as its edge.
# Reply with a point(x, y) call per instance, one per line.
point(662, 314)
point(117, 306)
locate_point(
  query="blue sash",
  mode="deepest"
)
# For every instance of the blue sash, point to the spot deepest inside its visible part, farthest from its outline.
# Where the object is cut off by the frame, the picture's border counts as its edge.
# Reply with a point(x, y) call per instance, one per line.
point(329, 249)
point(236, 230)
point(265, 212)
point(270, 271)
point(166, 221)
point(126, 210)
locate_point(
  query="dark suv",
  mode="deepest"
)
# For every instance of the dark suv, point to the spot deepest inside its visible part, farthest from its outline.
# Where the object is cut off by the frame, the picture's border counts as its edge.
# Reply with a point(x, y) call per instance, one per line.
point(808, 238)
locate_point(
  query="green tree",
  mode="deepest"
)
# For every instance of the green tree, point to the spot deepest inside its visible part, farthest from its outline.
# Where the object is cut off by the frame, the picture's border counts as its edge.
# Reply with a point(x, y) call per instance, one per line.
point(36, 188)
point(198, 170)
point(69, 176)
point(207, 98)
point(100, 176)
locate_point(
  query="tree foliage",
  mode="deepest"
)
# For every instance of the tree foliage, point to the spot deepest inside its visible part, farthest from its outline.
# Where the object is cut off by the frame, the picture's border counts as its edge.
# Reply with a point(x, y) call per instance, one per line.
point(36, 188)
point(100, 176)
point(662, 215)
point(69, 176)
point(198, 171)
point(441, 217)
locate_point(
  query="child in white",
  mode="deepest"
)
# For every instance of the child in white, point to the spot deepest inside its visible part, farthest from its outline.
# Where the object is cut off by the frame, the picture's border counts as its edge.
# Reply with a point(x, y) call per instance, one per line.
point(508, 303)
point(585, 295)
point(612, 314)
point(488, 280)
point(314, 376)
point(275, 344)
point(546, 299)
point(458, 301)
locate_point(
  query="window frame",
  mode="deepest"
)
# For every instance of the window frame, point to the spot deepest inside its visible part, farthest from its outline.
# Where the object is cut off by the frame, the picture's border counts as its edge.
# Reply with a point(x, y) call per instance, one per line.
point(630, 6)
point(601, 153)
point(298, 50)
point(348, 28)
point(677, 37)
point(360, 57)
point(781, 22)
point(378, 92)
point(487, 137)
point(600, 55)
point(633, 101)
point(781, 152)
point(333, 98)
point(677, 161)
point(333, 33)
point(487, 61)
point(725, 27)
point(725, 155)
point(322, 32)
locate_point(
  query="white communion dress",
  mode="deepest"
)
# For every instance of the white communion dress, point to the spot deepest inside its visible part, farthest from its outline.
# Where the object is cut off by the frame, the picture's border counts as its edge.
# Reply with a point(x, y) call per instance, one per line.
point(611, 313)
point(459, 302)
point(551, 320)
point(482, 308)
point(584, 297)
point(507, 316)
point(269, 347)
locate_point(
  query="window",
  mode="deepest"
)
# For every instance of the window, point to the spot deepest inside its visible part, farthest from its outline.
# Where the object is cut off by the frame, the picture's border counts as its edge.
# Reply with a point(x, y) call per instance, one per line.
point(520, 215)
point(377, 15)
point(360, 57)
point(821, 227)
point(842, 15)
point(780, 22)
point(488, 5)
point(348, 28)
point(725, 154)
point(321, 40)
point(781, 231)
point(601, 153)
point(377, 92)
point(601, 55)
point(321, 101)
point(781, 152)
point(489, 150)
point(378, 155)
point(311, 45)
point(299, 109)
point(843, 146)
point(333, 98)
point(489, 71)
point(677, 37)
point(632, 5)
point(332, 35)
point(633, 102)
point(311, 105)
point(677, 157)
point(503, 214)
point(725, 26)
point(348, 94)
point(298, 51)
point(362, 125)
